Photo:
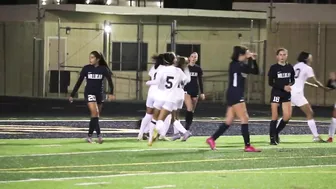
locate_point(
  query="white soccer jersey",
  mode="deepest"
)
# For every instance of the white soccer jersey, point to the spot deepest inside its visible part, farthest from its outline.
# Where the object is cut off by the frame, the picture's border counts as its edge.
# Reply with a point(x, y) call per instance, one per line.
point(168, 80)
point(152, 73)
point(302, 73)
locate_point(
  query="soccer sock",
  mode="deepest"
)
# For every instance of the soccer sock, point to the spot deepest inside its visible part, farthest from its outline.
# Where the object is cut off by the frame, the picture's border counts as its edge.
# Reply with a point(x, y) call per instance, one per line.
point(332, 128)
point(160, 126)
point(91, 127)
point(167, 122)
point(246, 134)
point(281, 126)
point(145, 124)
point(312, 126)
point(222, 128)
point(96, 125)
point(151, 129)
point(176, 131)
point(179, 127)
point(188, 119)
point(273, 128)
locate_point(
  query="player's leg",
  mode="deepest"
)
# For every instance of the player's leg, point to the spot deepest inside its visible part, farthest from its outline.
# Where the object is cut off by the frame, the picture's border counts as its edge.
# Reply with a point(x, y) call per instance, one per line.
point(241, 112)
point(308, 111)
point(286, 115)
point(98, 131)
point(230, 115)
point(144, 125)
point(273, 123)
point(332, 127)
point(94, 121)
point(166, 125)
point(190, 109)
point(156, 112)
point(167, 108)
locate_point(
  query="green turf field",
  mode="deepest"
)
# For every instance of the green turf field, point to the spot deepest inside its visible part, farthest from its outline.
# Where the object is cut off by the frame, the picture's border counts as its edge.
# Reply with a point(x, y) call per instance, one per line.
point(125, 163)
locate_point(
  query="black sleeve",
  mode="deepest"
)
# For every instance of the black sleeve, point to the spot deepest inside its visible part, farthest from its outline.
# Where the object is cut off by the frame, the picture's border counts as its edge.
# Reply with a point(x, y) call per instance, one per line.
point(251, 67)
point(79, 81)
point(329, 84)
point(108, 76)
point(292, 81)
point(200, 80)
point(271, 78)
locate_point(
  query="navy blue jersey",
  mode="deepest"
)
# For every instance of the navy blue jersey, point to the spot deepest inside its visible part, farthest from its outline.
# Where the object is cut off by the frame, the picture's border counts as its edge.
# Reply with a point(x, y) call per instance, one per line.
point(196, 82)
point(237, 73)
point(279, 76)
point(94, 79)
point(331, 84)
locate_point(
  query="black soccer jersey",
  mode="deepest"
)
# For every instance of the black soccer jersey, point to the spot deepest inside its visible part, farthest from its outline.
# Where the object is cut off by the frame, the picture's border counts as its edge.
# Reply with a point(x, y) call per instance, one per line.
point(94, 80)
point(196, 83)
point(279, 76)
point(238, 71)
point(331, 84)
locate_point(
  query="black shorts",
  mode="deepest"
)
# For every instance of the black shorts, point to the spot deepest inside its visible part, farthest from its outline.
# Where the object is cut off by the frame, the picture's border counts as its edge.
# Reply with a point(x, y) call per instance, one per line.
point(232, 99)
point(192, 93)
point(92, 97)
point(280, 98)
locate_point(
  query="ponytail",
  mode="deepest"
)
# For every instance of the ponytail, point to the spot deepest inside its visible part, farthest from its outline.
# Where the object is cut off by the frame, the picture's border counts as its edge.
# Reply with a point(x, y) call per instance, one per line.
point(102, 61)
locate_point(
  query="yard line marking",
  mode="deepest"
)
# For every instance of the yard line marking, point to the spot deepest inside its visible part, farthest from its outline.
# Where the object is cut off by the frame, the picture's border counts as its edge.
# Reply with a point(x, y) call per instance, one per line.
point(162, 186)
point(132, 120)
point(158, 149)
point(160, 163)
point(91, 183)
point(30, 172)
point(164, 173)
point(50, 145)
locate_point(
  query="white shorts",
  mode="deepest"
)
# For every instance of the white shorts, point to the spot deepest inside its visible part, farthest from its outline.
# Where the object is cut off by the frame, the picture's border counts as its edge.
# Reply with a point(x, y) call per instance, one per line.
point(150, 102)
point(179, 104)
point(298, 99)
point(164, 105)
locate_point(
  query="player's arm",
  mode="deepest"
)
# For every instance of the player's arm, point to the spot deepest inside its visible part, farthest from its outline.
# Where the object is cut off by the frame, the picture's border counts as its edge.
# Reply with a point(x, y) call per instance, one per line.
point(200, 80)
point(157, 79)
point(312, 79)
point(272, 78)
point(187, 75)
point(251, 67)
point(311, 84)
point(82, 75)
point(108, 76)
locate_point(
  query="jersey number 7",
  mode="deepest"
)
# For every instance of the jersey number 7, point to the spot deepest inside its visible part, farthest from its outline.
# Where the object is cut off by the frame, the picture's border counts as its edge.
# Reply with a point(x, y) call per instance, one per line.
point(169, 83)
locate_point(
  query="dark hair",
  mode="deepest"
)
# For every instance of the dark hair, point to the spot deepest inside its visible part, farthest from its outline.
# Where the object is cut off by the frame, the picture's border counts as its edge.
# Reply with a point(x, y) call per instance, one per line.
point(237, 51)
point(181, 62)
point(303, 56)
point(102, 61)
point(280, 49)
point(163, 59)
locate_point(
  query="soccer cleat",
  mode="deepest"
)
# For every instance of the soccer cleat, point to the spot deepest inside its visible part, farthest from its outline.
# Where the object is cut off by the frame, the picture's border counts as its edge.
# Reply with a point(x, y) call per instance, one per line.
point(277, 138)
point(318, 140)
point(330, 140)
point(211, 143)
point(145, 136)
point(272, 141)
point(100, 140)
point(251, 149)
point(155, 135)
point(186, 136)
point(163, 138)
point(89, 140)
point(175, 137)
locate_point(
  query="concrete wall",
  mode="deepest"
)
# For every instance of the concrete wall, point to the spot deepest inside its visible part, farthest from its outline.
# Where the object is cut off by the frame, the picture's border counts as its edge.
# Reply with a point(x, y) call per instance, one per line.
point(215, 46)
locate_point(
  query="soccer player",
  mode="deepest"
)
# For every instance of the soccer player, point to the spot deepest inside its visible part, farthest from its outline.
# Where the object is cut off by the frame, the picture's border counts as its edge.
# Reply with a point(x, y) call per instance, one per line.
point(303, 72)
point(93, 93)
point(144, 126)
point(280, 78)
point(168, 80)
point(332, 128)
point(238, 71)
point(192, 89)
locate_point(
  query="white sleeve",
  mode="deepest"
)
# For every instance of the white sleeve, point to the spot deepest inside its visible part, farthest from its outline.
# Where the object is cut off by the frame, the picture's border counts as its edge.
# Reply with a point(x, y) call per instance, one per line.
point(151, 72)
point(187, 75)
point(310, 72)
point(157, 80)
point(184, 77)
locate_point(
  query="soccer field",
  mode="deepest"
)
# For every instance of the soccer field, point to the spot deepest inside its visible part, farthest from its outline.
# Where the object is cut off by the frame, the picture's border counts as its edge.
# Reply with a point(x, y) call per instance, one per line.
point(124, 163)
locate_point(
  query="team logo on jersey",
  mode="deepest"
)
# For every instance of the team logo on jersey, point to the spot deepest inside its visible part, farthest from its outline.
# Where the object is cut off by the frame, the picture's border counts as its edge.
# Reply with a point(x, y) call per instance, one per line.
point(283, 75)
point(95, 76)
point(244, 74)
point(194, 74)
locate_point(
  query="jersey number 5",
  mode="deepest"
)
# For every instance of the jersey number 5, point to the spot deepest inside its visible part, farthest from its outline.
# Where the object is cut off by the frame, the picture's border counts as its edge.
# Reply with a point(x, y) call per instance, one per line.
point(169, 83)
point(297, 72)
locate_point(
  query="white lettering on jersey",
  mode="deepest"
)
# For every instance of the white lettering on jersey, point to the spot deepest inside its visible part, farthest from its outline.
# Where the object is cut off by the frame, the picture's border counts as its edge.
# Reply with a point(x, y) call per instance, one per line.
point(95, 76)
point(284, 75)
point(193, 74)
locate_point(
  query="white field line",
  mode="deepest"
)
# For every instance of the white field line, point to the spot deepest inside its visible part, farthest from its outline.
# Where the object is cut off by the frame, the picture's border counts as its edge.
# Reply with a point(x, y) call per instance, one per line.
point(155, 149)
point(162, 186)
point(123, 120)
point(164, 173)
point(91, 183)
